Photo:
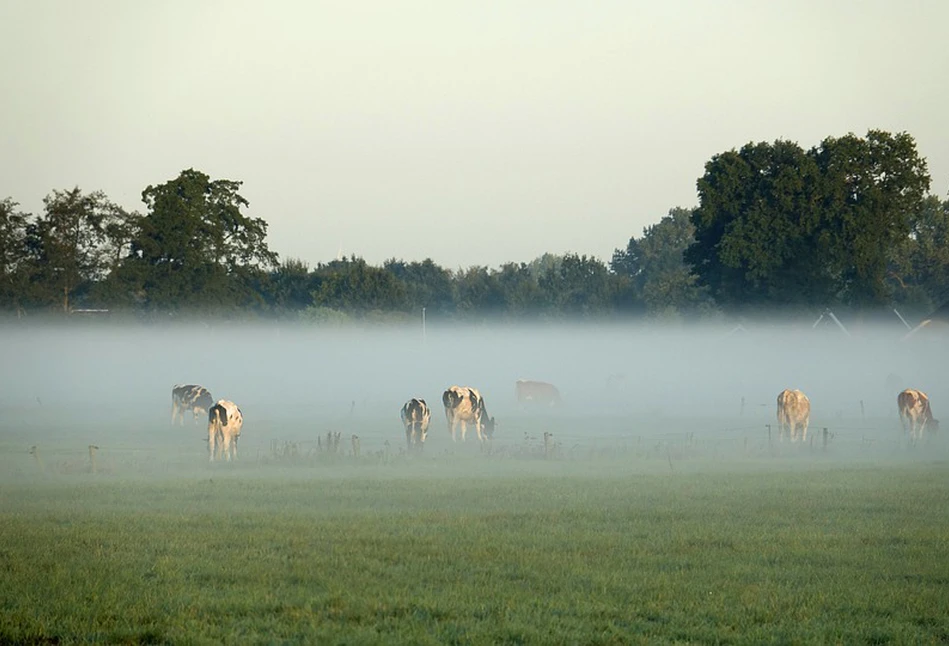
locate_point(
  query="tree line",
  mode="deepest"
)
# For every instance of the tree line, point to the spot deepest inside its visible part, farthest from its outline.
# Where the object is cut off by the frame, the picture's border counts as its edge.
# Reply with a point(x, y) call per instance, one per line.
point(847, 224)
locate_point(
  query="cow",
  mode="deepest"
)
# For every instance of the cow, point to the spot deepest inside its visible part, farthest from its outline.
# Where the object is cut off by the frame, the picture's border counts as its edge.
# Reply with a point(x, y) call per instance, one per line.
point(794, 411)
point(416, 416)
point(915, 414)
point(463, 405)
point(536, 392)
point(195, 398)
point(224, 428)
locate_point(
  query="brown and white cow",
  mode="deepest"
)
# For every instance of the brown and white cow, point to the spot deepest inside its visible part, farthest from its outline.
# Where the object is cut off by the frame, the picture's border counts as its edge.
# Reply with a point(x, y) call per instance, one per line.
point(194, 398)
point(416, 416)
point(536, 392)
point(915, 414)
point(464, 405)
point(794, 411)
point(224, 428)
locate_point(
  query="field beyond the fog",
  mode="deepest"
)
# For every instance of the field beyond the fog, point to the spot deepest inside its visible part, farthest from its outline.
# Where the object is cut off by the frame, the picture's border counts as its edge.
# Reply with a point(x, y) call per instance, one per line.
point(660, 508)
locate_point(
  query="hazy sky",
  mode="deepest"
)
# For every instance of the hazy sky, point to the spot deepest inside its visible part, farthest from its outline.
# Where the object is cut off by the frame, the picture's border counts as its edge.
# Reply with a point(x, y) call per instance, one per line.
point(471, 133)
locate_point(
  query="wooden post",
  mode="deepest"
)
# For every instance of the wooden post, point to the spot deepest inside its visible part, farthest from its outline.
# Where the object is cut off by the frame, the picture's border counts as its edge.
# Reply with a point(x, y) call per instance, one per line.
point(862, 413)
point(355, 446)
point(92, 457)
point(768, 426)
point(547, 444)
point(824, 433)
point(35, 452)
point(387, 453)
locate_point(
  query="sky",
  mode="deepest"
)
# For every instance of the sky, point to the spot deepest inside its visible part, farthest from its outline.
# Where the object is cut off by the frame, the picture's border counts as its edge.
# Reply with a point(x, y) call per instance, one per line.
point(471, 133)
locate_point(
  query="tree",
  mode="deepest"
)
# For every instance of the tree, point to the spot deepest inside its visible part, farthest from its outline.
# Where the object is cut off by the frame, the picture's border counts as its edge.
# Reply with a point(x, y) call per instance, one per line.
point(196, 247)
point(778, 226)
point(426, 285)
point(289, 287)
point(478, 294)
point(352, 285)
point(919, 265)
point(77, 242)
point(872, 185)
point(581, 286)
point(656, 268)
point(13, 254)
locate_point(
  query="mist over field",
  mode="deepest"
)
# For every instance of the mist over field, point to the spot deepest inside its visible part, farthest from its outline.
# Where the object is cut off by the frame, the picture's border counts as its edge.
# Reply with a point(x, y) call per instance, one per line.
point(660, 512)
point(111, 384)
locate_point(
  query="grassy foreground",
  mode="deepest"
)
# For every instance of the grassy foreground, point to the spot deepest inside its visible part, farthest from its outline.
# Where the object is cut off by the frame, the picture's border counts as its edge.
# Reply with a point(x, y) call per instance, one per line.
point(828, 555)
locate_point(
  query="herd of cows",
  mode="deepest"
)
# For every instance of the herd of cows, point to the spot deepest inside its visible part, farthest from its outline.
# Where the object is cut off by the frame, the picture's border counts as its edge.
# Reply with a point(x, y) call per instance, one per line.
point(465, 405)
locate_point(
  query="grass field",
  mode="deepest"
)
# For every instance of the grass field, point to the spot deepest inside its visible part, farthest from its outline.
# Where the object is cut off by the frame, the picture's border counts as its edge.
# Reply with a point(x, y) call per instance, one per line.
point(649, 543)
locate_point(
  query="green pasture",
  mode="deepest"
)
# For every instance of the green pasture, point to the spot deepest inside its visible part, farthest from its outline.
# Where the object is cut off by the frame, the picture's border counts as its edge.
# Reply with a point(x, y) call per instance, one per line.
point(652, 543)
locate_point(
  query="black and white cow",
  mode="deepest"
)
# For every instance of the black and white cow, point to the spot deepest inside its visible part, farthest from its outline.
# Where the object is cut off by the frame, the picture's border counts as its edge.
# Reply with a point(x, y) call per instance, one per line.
point(225, 421)
point(463, 405)
point(194, 398)
point(416, 416)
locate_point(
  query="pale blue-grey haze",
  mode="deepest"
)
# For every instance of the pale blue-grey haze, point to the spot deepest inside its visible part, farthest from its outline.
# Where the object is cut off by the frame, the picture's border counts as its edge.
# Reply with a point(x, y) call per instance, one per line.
point(468, 132)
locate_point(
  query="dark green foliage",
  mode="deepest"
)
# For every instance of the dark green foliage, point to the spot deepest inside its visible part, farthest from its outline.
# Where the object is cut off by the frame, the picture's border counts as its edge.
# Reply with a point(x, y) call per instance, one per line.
point(14, 277)
point(778, 226)
point(426, 285)
point(195, 248)
point(657, 271)
point(919, 264)
point(355, 286)
point(75, 244)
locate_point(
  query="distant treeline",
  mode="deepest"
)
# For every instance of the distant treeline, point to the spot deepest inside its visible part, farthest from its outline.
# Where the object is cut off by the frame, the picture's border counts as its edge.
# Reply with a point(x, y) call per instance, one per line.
point(848, 224)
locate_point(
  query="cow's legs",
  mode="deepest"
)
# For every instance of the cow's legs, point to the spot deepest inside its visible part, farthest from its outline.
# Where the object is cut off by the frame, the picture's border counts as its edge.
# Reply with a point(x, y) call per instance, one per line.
point(174, 412)
point(804, 430)
point(211, 445)
point(464, 430)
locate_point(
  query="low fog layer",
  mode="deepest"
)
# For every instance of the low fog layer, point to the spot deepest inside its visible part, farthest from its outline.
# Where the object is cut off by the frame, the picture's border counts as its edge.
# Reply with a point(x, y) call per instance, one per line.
point(276, 371)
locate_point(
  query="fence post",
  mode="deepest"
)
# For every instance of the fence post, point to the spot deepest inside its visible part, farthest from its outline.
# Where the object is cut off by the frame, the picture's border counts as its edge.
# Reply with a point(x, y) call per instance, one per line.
point(547, 437)
point(824, 433)
point(92, 457)
point(35, 452)
point(355, 446)
point(768, 426)
point(863, 414)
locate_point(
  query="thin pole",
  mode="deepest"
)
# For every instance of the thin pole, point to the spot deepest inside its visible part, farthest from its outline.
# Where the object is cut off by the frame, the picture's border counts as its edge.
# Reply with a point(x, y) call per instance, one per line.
point(423, 325)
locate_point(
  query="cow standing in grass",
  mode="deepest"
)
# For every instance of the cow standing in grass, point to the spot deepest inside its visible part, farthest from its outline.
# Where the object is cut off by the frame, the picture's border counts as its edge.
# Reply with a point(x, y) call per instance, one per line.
point(224, 428)
point(536, 392)
point(416, 416)
point(794, 412)
point(194, 398)
point(915, 414)
point(464, 405)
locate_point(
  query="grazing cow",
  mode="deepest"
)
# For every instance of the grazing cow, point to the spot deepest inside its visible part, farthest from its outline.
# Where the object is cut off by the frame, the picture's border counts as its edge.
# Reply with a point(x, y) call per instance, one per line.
point(794, 411)
point(463, 405)
point(915, 414)
point(224, 427)
point(197, 399)
point(416, 416)
point(536, 392)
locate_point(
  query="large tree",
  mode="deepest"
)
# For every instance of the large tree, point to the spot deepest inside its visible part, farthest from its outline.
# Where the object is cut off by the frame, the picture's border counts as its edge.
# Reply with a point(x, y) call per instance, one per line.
point(75, 244)
point(872, 186)
point(779, 226)
point(196, 247)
